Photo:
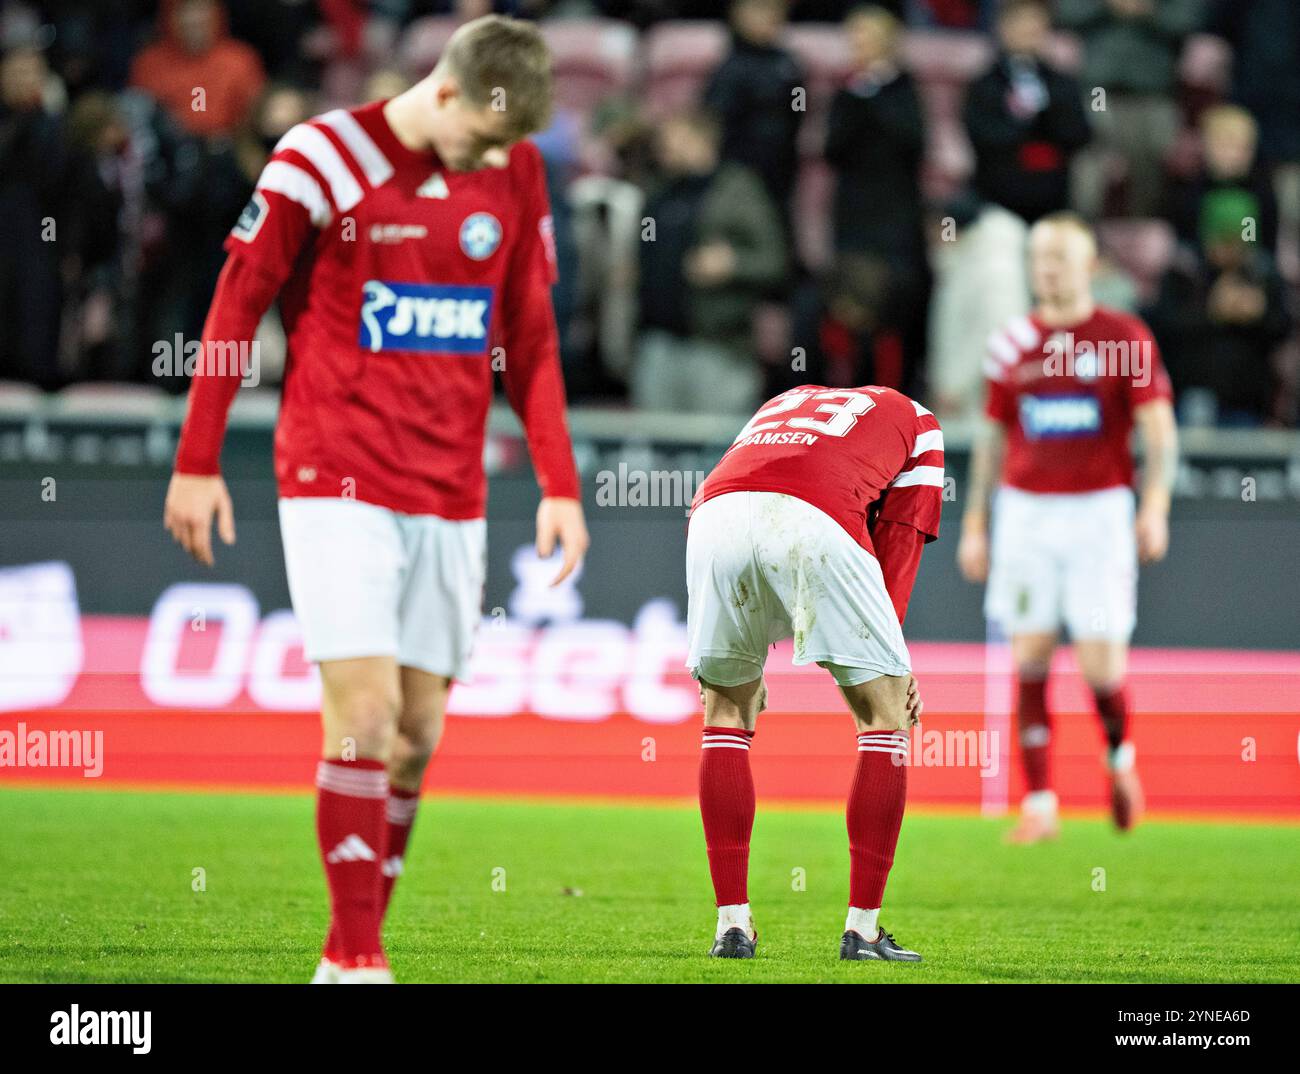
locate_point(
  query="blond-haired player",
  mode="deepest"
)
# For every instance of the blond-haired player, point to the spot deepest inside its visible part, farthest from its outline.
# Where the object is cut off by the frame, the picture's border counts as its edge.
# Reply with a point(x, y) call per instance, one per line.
point(409, 242)
point(1066, 385)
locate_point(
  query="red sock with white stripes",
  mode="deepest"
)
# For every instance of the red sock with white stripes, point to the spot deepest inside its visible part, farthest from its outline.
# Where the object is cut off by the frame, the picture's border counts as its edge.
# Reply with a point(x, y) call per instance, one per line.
point(400, 815)
point(350, 802)
point(1035, 733)
point(727, 809)
point(875, 815)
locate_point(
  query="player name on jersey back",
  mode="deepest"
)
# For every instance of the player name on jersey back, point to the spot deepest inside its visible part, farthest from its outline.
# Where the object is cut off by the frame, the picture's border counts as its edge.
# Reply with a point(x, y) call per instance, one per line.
point(806, 439)
point(847, 451)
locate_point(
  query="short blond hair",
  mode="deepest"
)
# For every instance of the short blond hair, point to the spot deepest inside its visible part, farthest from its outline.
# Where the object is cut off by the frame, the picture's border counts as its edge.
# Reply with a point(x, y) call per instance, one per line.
point(503, 63)
point(1069, 220)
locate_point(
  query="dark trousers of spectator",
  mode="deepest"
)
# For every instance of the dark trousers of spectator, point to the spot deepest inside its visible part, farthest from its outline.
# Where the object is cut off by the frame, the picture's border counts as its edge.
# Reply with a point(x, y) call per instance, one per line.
point(30, 303)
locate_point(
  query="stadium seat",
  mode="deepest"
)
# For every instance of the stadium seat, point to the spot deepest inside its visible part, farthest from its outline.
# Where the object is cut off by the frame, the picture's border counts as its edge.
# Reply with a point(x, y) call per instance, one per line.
point(1142, 247)
point(822, 50)
point(592, 59)
point(949, 159)
point(342, 83)
point(422, 44)
point(945, 56)
point(813, 193)
point(679, 56)
point(942, 63)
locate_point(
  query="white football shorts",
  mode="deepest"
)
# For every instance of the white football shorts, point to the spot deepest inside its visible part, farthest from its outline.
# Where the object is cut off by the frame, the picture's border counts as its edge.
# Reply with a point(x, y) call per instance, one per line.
point(762, 567)
point(367, 581)
point(1064, 558)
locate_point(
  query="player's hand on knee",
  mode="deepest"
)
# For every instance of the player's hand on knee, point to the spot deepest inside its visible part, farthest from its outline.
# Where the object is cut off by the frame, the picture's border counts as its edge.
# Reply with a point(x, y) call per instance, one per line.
point(560, 519)
point(973, 556)
point(915, 706)
point(192, 502)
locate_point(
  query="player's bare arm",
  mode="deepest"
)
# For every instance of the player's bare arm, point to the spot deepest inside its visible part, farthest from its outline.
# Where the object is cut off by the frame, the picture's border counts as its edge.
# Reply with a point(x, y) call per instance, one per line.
point(1159, 435)
point(985, 470)
point(560, 519)
point(193, 500)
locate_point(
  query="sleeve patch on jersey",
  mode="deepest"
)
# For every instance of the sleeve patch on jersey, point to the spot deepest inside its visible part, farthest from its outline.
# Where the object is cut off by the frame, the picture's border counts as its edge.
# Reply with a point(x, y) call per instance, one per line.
point(251, 219)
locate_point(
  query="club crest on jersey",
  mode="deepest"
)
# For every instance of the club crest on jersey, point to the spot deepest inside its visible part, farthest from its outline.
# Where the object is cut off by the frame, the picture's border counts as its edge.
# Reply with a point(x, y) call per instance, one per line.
point(1066, 356)
point(1059, 416)
point(1085, 363)
point(424, 317)
point(480, 235)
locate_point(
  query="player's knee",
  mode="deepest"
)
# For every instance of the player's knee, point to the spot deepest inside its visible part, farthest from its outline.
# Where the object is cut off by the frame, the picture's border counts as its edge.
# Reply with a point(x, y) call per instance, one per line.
point(733, 706)
point(368, 715)
point(893, 717)
point(1033, 670)
point(881, 703)
point(408, 758)
point(413, 747)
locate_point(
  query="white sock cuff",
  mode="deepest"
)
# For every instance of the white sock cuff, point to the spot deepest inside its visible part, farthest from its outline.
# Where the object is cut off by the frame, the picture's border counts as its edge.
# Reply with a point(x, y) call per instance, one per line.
point(1039, 803)
point(863, 922)
point(1121, 758)
point(734, 916)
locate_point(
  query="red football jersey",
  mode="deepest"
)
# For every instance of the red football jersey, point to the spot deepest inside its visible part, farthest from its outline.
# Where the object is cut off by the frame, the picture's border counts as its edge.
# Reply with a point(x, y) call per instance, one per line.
point(1067, 396)
point(402, 284)
point(860, 455)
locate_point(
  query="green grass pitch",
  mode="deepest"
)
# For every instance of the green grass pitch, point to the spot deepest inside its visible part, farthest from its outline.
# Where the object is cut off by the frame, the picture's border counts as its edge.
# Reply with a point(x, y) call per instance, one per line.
point(100, 886)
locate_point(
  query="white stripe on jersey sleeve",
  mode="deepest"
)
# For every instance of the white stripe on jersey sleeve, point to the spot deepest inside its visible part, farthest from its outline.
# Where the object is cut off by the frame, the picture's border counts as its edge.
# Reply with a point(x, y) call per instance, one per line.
point(919, 475)
point(362, 147)
point(1001, 348)
point(1022, 331)
point(282, 177)
point(320, 152)
point(930, 440)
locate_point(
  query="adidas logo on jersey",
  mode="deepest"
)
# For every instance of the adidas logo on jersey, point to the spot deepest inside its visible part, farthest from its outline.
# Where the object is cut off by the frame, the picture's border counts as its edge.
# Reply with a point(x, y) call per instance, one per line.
point(353, 848)
point(433, 187)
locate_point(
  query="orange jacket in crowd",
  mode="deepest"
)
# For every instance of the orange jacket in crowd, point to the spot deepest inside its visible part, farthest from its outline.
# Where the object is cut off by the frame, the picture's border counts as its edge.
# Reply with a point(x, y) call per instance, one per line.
point(196, 53)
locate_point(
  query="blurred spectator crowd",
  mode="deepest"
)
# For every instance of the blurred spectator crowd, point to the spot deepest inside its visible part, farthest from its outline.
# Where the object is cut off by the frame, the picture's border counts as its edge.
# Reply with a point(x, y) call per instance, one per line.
point(747, 195)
